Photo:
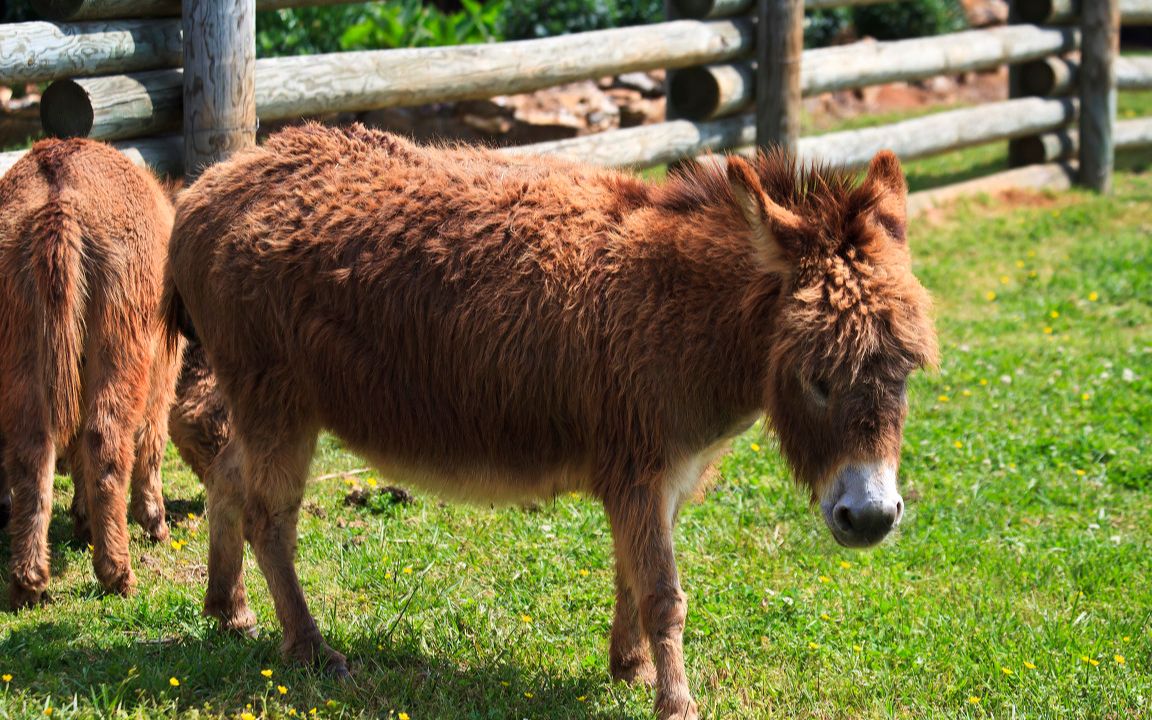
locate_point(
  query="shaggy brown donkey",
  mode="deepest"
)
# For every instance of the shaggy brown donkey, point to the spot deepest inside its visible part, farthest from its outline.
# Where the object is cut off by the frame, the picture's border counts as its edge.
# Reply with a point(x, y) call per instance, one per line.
point(83, 365)
point(503, 330)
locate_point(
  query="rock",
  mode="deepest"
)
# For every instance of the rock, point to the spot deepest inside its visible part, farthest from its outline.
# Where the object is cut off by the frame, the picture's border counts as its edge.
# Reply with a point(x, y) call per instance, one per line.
point(985, 13)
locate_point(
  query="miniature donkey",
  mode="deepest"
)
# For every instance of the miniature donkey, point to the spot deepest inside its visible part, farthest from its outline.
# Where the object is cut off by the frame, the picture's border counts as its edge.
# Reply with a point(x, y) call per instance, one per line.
point(83, 363)
point(504, 329)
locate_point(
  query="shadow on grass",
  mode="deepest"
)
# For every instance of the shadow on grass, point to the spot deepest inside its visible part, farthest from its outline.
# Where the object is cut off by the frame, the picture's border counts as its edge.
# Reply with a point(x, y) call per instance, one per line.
point(921, 180)
point(221, 673)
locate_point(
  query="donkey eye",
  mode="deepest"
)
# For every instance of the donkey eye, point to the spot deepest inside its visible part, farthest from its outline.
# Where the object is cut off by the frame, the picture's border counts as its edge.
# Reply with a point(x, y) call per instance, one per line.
point(818, 388)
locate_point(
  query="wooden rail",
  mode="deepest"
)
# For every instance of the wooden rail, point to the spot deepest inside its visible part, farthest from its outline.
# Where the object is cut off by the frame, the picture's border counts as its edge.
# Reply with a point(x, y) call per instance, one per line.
point(41, 51)
point(1064, 144)
point(719, 90)
point(1060, 75)
point(144, 103)
point(73, 10)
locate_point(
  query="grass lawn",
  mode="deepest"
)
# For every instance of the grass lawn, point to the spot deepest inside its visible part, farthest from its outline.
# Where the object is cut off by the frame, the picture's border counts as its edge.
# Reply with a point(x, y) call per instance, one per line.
point(1020, 583)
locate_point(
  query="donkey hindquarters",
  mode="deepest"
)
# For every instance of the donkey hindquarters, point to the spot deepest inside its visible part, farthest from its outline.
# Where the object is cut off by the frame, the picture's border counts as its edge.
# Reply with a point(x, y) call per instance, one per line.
point(502, 330)
point(83, 364)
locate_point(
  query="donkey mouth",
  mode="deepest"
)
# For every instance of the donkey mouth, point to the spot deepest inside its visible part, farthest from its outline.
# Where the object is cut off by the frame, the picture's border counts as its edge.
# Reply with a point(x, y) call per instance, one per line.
point(863, 504)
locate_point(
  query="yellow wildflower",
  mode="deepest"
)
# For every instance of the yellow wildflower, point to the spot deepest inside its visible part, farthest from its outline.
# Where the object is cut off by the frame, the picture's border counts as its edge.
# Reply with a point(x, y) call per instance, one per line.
point(1119, 659)
point(1020, 263)
point(966, 392)
point(291, 712)
point(1081, 473)
point(825, 616)
point(973, 700)
point(581, 698)
point(755, 447)
point(1054, 314)
point(990, 296)
point(942, 398)
point(173, 682)
point(825, 579)
point(266, 673)
point(1093, 297)
point(813, 646)
point(957, 444)
point(1006, 671)
point(281, 689)
point(844, 564)
point(526, 618)
point(1004, 279)
point(983, 381)
point(247, 716)
point(1029, 665)
point(6, 677)
point(1085, 396)
point(1047, 329)
point(402, 716)
point(858, 648)
point(529, 695)
point(48, 710)
point(408, 570)
point(582, 572)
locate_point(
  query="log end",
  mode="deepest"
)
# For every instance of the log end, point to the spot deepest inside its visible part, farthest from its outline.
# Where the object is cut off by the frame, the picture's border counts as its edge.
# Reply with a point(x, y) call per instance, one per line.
point(66, 110)
point(693, 93)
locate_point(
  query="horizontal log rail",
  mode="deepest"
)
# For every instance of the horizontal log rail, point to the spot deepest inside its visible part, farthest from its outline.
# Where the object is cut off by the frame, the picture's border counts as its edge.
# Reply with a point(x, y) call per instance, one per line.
point(42, 51)
point(1052, 176)
point(1064, 143)
point(1059, 75)
point(715, 91)
point(74, 10)
point(146, 103)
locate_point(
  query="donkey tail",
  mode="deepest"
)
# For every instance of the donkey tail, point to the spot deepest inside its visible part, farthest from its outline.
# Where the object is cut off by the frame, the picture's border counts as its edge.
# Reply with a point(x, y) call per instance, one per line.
point(174, 314)
point(57, 262)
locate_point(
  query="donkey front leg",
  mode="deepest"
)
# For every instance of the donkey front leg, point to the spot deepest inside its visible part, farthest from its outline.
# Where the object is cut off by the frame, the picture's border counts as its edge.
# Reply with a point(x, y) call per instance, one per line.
point(275, 472)
point(641, 521)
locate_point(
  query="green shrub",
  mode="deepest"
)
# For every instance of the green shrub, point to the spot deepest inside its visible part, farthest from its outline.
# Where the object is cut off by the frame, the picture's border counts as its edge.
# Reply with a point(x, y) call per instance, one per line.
point(368, 26)
point(545, 18)
point(908, 19)
point(823, 27)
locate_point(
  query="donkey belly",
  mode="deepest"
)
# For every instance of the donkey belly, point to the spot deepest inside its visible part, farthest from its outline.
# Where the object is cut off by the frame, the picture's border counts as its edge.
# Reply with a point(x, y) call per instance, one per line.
point(484, 484)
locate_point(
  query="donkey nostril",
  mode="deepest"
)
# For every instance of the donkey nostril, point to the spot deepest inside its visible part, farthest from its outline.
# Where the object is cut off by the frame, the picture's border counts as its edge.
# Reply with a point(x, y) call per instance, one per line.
point(843, 517)
point(899, 510)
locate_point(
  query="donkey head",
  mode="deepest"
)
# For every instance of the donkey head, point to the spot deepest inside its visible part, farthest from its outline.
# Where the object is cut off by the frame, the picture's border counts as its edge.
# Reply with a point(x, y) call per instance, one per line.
point(851, 323)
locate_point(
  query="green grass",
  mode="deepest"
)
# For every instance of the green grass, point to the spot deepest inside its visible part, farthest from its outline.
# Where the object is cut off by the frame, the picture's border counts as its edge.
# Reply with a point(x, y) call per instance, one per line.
point(1026, 471)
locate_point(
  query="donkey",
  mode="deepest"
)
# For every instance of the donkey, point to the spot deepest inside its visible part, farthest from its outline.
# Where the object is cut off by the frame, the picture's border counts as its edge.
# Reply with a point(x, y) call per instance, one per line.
point(568, 328)
point(84, 365)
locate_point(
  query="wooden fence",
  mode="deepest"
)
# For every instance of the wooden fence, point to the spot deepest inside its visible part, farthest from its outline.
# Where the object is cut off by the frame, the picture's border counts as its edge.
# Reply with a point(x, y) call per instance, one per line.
point(123, 71)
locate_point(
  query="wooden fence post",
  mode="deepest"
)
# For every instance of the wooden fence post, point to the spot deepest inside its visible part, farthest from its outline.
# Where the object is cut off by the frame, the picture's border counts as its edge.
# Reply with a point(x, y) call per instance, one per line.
point(219, 86)
point(779, 47)
point(1100, 44)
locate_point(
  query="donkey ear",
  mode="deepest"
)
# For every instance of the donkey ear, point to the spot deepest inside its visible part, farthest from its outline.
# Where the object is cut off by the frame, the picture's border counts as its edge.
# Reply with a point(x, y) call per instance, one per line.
point(764, 216)
point(887, 178)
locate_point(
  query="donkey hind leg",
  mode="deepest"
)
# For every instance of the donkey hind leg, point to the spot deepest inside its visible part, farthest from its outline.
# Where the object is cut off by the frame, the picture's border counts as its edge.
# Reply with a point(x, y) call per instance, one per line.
point(629, 658)
point(227, 600)
point(81, 529)
point(147, 503)
point(275, 472)
point(29, 464)
point(114, 408)
point(642, 532)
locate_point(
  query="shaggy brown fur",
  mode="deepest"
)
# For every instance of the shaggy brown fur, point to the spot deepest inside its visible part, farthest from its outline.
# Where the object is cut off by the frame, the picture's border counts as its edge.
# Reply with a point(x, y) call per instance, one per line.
point(83, 235)
point(501, 330)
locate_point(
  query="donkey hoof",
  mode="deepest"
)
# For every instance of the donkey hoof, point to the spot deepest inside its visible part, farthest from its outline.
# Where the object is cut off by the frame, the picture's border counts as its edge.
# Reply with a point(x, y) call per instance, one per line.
point(118, 582)
point(639, 672)
point(235, 620)
point(676, 706)
point(157, 532)
point(22, 598)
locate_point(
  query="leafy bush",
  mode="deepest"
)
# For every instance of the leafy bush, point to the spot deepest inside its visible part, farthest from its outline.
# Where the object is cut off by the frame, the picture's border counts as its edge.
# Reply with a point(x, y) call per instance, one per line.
point(545, 18)
point(366, 26)
point(824, 27)
point(907, 19)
